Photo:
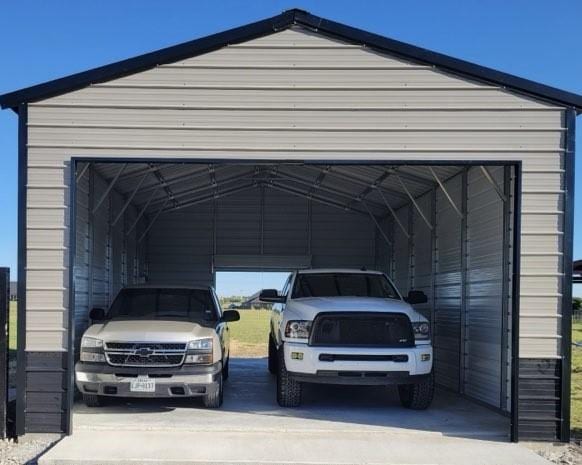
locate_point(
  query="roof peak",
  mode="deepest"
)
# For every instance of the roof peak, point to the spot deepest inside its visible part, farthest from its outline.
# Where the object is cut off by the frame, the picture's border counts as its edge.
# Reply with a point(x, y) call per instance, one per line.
point(288, 18)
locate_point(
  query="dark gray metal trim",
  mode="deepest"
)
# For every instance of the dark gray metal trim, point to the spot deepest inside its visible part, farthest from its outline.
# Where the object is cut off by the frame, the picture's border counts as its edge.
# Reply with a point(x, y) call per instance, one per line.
point(464, 287)
point(275, 24)
point(515, 293)
point(22, 248)
point(517, 231)
point(569, 179)
point(70, 382)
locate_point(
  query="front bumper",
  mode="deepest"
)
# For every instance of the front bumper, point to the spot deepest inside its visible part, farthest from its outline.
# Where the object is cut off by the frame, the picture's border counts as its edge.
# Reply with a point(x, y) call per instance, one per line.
point(184, 381)
point(358, 365)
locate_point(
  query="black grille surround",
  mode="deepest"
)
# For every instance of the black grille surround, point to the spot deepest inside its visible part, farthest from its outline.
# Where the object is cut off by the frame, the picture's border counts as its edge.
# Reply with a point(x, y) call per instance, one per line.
point(362, 329)
point(145, 354)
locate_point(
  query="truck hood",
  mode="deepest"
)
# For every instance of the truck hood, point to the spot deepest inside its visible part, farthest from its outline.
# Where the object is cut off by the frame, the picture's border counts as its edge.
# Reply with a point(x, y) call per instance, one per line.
point(149, 331)
point(307, 308)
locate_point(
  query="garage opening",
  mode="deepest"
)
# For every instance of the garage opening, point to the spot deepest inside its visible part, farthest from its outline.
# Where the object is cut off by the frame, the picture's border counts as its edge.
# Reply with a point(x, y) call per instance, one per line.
point(240, 290)
point(444, 229)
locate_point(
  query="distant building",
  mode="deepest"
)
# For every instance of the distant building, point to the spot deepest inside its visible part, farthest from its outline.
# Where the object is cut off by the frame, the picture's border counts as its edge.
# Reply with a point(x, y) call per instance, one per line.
point(254, 302)
point(577, 272)
point(13, 290)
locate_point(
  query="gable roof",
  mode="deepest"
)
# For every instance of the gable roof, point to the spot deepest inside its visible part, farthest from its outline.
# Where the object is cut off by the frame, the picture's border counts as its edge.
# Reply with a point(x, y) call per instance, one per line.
point(275, 24)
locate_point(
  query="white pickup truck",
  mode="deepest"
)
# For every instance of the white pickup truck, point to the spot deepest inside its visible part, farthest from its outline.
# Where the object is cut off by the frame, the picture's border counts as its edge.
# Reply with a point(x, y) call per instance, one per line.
point(341, 326)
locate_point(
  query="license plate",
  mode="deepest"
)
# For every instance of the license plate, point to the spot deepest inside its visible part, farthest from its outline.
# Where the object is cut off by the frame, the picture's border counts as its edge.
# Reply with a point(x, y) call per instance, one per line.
point(142, 384)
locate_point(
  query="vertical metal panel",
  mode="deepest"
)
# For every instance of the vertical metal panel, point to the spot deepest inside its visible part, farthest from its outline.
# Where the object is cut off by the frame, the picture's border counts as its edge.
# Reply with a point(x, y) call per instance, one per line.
point(423, 258)
point(180, 247)
point(383, 250)
point(402, 252)
point(101, 248)
point(117, 242)
point(284, 224)
point(448, 287)
point(484, 306)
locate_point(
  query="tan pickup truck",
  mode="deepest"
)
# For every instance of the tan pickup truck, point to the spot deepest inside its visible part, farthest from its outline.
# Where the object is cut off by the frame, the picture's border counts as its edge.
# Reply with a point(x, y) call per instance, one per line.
point(156, 342)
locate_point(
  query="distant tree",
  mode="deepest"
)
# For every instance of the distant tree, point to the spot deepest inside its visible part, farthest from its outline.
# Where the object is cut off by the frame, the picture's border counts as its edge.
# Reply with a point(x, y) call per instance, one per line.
point(577, 304)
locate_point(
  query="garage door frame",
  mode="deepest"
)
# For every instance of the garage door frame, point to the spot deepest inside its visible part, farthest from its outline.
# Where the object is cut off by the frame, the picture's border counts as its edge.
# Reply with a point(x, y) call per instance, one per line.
point(516, 164)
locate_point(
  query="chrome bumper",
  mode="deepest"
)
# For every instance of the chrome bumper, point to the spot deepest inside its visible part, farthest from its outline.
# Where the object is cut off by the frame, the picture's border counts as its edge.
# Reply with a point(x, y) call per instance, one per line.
point(106, 380)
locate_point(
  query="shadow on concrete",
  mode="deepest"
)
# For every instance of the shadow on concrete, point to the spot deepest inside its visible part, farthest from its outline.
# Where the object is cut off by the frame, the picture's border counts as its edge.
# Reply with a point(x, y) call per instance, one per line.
point(250, 404)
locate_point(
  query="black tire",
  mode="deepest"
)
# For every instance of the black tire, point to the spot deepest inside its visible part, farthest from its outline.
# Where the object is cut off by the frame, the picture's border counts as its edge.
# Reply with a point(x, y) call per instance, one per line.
point(92, 400)
point(272, 356)
point(417, 396)
point(225, 370)
point(288, 389)
point(214, 399)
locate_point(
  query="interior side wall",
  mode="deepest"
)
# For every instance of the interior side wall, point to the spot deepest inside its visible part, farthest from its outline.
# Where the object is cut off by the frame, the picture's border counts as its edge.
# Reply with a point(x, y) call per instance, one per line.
point(107, 256)
point(461, 261)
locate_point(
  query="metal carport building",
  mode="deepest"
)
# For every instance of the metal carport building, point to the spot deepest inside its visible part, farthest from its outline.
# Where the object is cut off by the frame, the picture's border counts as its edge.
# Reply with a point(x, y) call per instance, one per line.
point(294, 142)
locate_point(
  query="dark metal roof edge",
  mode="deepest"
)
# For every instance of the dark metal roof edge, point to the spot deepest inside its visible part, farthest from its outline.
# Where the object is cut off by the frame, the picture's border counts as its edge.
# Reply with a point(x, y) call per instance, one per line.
point(274, 24)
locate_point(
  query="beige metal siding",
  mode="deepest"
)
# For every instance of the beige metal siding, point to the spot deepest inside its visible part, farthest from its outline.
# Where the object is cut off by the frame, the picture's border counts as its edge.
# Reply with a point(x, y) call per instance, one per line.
point(294, 95)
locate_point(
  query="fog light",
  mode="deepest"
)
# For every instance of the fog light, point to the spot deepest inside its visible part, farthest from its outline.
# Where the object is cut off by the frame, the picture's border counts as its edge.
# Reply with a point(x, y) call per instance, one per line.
point(424, 357)
point(297, 355)
point(92, 357)
point(199, 358)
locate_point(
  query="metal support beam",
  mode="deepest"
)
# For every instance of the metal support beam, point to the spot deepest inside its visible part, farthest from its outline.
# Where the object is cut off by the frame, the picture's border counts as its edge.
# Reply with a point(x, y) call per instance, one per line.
point(315, 198)
point(394, 215)
point(489, 178)
point(142, 211)
point(109, 188)
point(214, 195)
point(360, 182)
point(362, 195)
point(83, 171)
point(388, 241)
point(412, 177)
point(189, 175)
point(153, 220)
point(129, 200)
point(411, 197)
point(319, 179)
point(163, 183)
point(444, 189)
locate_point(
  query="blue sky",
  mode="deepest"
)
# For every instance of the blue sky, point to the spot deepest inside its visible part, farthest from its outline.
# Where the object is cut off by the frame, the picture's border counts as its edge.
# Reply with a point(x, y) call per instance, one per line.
point(39, 41)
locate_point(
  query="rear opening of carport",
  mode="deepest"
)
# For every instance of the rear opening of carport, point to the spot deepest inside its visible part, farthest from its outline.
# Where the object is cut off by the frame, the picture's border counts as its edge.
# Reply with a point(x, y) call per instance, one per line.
point(446, 229)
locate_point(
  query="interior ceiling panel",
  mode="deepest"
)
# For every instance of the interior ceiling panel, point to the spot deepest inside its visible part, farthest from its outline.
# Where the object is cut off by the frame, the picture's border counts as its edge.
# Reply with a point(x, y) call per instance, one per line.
point(169, 186)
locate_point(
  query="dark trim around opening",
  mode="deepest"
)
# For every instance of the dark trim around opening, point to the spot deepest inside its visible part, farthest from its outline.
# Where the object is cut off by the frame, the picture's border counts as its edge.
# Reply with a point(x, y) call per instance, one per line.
point(516, 164)
point(569, 177)
point(22, 250)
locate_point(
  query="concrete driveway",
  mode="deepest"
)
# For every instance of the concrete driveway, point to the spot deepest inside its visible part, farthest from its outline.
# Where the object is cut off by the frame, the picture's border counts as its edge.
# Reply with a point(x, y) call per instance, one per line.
point(335, 425)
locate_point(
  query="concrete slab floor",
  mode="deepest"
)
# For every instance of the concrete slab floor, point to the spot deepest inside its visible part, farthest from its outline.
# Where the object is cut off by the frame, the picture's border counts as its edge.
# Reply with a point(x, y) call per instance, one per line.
point(335, 425)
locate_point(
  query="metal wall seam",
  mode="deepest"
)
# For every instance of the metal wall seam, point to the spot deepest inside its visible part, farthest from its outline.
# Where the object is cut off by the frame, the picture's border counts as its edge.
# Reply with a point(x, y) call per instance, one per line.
point(464, 287)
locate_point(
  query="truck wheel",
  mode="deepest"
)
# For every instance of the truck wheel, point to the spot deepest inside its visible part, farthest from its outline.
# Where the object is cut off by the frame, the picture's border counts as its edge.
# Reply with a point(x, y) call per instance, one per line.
point(225, 369)
point(288, 389)
point(272, 356)
point(417, 396)
point(92, 400)
point(214, 399)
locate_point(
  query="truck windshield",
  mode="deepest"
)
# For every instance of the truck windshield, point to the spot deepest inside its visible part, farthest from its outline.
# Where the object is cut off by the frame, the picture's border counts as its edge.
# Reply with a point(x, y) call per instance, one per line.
point(343, 285)
point(191, 304)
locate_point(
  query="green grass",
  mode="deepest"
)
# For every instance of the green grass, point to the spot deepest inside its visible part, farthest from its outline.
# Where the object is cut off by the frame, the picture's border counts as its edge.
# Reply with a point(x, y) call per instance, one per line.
point(249, 335)
point(576, 405)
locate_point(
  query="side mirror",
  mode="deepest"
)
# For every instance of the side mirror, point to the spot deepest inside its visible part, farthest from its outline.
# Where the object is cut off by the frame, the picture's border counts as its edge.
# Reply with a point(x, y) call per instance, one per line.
point(97, 314)
point(416, 297)
point(271, 296)
point(230, 316)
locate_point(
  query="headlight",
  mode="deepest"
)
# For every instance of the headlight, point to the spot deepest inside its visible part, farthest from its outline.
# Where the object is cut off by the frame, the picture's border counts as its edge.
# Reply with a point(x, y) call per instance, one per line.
point(421, 331)
point(91, 343)
point(201, 344)
point(200, 351)
point(298, 329)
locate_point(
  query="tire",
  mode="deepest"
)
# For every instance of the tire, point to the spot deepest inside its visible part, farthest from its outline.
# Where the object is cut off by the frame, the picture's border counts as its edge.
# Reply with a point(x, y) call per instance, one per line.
point(92, 400)
point(288, 389)
point(225, 370)
point(214, 399)
point(417, 396)
point(272, 356)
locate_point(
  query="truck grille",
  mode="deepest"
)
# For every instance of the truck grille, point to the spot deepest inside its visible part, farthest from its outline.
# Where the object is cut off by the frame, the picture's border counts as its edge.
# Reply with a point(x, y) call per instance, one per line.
point(145, 354)
point(362, 330)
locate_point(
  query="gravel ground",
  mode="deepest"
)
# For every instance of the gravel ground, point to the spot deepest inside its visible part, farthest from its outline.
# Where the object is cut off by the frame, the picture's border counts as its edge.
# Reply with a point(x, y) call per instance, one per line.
point(561, 454)
point(25, 452)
